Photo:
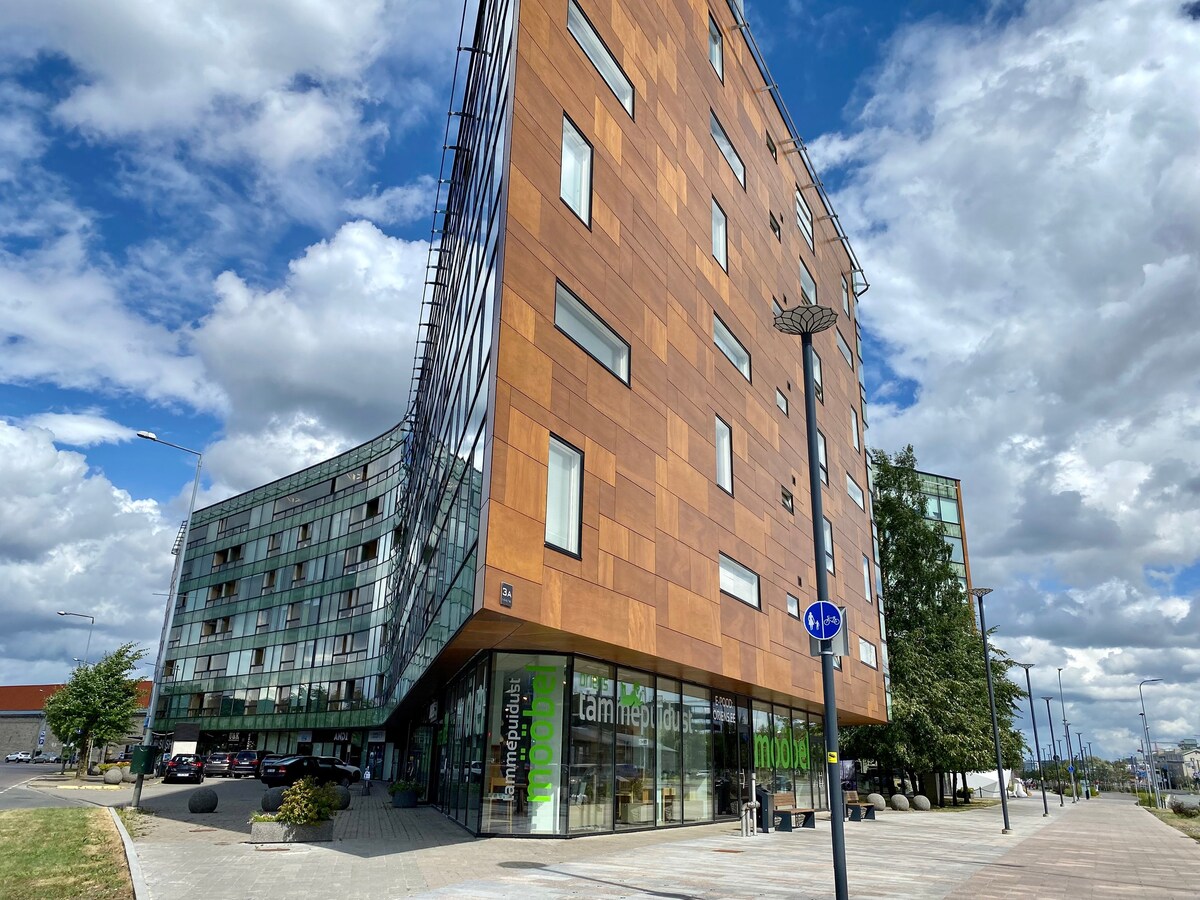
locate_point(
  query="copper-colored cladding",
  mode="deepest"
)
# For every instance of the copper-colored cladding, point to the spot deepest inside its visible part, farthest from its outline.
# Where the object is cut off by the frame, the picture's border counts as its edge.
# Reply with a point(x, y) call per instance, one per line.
point(646, 591)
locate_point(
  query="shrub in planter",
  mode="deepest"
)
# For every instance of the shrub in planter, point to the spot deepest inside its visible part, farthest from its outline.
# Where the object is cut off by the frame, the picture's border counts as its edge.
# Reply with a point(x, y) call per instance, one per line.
point(404, 793)
point(307, 803)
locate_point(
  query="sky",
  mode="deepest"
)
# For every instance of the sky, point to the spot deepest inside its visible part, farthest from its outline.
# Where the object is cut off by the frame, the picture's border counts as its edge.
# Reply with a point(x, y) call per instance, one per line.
point(214, 220)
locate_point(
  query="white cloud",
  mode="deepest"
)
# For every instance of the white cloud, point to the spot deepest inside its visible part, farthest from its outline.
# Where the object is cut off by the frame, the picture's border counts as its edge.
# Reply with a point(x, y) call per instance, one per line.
point(84, 429)
point(334, 341)
point(397, 205)
point(1023, 194)
point(71, 540)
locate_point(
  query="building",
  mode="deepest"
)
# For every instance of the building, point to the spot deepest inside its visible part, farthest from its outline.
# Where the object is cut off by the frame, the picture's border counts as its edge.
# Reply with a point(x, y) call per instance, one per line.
point(944, 507)
point(564, 594)
point(23, 719)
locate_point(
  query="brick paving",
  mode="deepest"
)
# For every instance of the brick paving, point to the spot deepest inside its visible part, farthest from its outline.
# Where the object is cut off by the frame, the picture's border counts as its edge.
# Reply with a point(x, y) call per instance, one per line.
point(1097, 848)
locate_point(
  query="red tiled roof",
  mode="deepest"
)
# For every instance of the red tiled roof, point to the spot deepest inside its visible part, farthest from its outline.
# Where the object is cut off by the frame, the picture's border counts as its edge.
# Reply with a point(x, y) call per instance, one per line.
point(31, 697)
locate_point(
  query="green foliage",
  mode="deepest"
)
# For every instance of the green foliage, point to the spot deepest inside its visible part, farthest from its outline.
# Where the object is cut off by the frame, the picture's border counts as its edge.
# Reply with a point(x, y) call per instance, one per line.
point(99, 701)
point(402, 785)
point(1181, 809)
point(940, 716)
point(307, 803)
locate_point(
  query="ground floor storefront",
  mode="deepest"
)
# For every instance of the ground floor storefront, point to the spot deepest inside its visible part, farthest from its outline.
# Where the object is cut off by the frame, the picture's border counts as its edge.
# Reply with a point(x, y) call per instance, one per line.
point(549, 744)
point(369, 749)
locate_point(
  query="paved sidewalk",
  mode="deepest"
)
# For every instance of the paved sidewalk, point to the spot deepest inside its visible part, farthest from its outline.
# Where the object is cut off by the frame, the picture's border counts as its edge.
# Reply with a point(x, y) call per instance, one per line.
point(1097, 848)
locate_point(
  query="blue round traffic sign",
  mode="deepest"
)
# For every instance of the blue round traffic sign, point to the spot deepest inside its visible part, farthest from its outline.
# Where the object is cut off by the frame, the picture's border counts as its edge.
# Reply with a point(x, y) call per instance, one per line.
point(823, 620)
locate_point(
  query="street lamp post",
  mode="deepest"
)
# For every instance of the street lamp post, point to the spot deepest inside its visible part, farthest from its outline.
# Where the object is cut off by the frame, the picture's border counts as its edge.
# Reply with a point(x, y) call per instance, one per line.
point(1067, 727)
point(1036, 746)
point(1054, 744)
point(1152, 767)
point(806, 321)
point(1087, 787)
point(87, 653)
point(979, 594)
point(176, 574)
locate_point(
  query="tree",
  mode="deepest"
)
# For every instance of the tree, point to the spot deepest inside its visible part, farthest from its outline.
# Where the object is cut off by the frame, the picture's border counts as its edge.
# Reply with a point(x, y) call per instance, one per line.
point(97, 703)
point(940, 716)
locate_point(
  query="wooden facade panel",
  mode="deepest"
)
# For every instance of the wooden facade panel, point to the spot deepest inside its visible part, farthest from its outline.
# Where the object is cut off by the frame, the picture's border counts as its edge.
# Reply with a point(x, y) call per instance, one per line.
point(647, 587)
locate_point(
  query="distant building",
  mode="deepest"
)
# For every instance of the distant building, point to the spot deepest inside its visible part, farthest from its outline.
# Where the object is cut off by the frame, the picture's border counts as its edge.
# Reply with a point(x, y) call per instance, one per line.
point(23, 720)
point(943, 506)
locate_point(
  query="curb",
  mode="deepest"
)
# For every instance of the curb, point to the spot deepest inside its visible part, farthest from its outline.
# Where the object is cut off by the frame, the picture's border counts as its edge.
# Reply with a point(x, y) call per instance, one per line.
point(141, 891)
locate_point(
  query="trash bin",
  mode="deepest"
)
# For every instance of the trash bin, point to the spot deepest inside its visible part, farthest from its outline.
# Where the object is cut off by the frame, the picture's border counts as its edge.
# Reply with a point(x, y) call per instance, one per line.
point(766, 810)
point(143, 760)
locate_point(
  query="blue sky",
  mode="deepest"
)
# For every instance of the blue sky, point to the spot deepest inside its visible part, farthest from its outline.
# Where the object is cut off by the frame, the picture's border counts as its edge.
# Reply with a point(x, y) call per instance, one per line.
point(202, 205)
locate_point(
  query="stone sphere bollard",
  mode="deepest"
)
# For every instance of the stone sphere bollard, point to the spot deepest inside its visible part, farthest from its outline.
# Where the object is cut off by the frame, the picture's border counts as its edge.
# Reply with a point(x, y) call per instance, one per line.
point(921, 803)
point(899, 802)
point(272, 799)
point(112, 776)
point(203, 800)
point(128, 776)
point(343, 795)
point(877, 801)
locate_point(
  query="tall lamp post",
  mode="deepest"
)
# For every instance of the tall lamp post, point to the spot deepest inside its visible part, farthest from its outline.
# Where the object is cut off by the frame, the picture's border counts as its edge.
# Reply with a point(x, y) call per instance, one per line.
point(87, 653)
point(1070, 749)
point(148, 727)
point(1054, 745)
point(1087, 787)
point(1152, 768)
point(1036, 746)
point(979, 594)
point(806, 321)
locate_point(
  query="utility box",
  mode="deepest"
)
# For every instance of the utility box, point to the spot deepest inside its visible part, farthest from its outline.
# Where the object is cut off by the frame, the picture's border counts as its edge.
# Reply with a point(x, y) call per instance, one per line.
point(143, 760)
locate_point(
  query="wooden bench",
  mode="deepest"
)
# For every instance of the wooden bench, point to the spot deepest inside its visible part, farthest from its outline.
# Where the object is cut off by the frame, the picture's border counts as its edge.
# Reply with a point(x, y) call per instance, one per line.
point(786, 810)
point(856, 810)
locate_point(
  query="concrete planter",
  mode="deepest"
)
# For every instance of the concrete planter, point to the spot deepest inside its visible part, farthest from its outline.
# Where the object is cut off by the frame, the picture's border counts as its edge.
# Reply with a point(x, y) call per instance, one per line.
point(404, 799)
point(278, 833)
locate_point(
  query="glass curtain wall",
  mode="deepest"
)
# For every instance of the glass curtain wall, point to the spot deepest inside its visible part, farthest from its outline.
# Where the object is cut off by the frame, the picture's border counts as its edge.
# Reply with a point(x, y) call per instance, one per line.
point(697, 754)
point(669, 719)
point(635, 734)
point(590, 775)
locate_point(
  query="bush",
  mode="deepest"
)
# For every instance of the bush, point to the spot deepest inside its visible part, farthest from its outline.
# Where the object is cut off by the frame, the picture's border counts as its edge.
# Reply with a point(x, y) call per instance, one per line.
point(399, 787)
point(1181, 809)
point(104, 767)
point(307, 803)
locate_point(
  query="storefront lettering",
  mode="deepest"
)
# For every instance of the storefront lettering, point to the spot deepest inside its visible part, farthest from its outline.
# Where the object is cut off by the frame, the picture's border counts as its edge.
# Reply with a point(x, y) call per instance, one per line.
point(632, 712)
point(779, 752)
point(543, 718)
point(511, 725)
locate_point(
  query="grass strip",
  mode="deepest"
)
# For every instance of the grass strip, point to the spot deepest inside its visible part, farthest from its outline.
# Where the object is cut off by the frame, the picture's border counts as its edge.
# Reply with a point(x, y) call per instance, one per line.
point(1190, 827)
point(62, 854)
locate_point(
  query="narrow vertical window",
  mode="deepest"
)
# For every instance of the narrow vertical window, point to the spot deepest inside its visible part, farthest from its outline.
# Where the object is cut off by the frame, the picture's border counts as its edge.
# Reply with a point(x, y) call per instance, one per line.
point(821, 458)
point(818, 384)
point(866, 563)
point(726, 147)
point(771, 148)
point(844, 349)
point(720, 235)
point(724, 455)
point(808, 287)
point(793, 606)
point(854, 429)
point(716, 48)
point(845, 297)
point(786, 499)
point(593, 48)
point(804, 219)
point(564, 497)
point(855, 492)
point(731, 346)
point(828, 531)
point(775, 229)
point(781, 401)
point(576, 183)
point(776, 309)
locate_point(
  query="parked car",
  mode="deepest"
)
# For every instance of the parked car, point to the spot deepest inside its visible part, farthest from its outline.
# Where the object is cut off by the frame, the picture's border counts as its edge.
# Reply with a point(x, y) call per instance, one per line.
point(185, 767)
point(160, 768)
point(286, 771)
point(47, 758)
point(19, 756)
point(343, 773)
point(247, 762)
point(219, 764)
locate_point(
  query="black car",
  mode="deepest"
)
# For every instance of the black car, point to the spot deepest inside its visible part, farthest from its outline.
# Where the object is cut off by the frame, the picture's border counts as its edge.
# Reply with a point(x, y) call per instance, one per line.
point(247, 763)
point(287, 770)
point(339, 772)
point(185, 767)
